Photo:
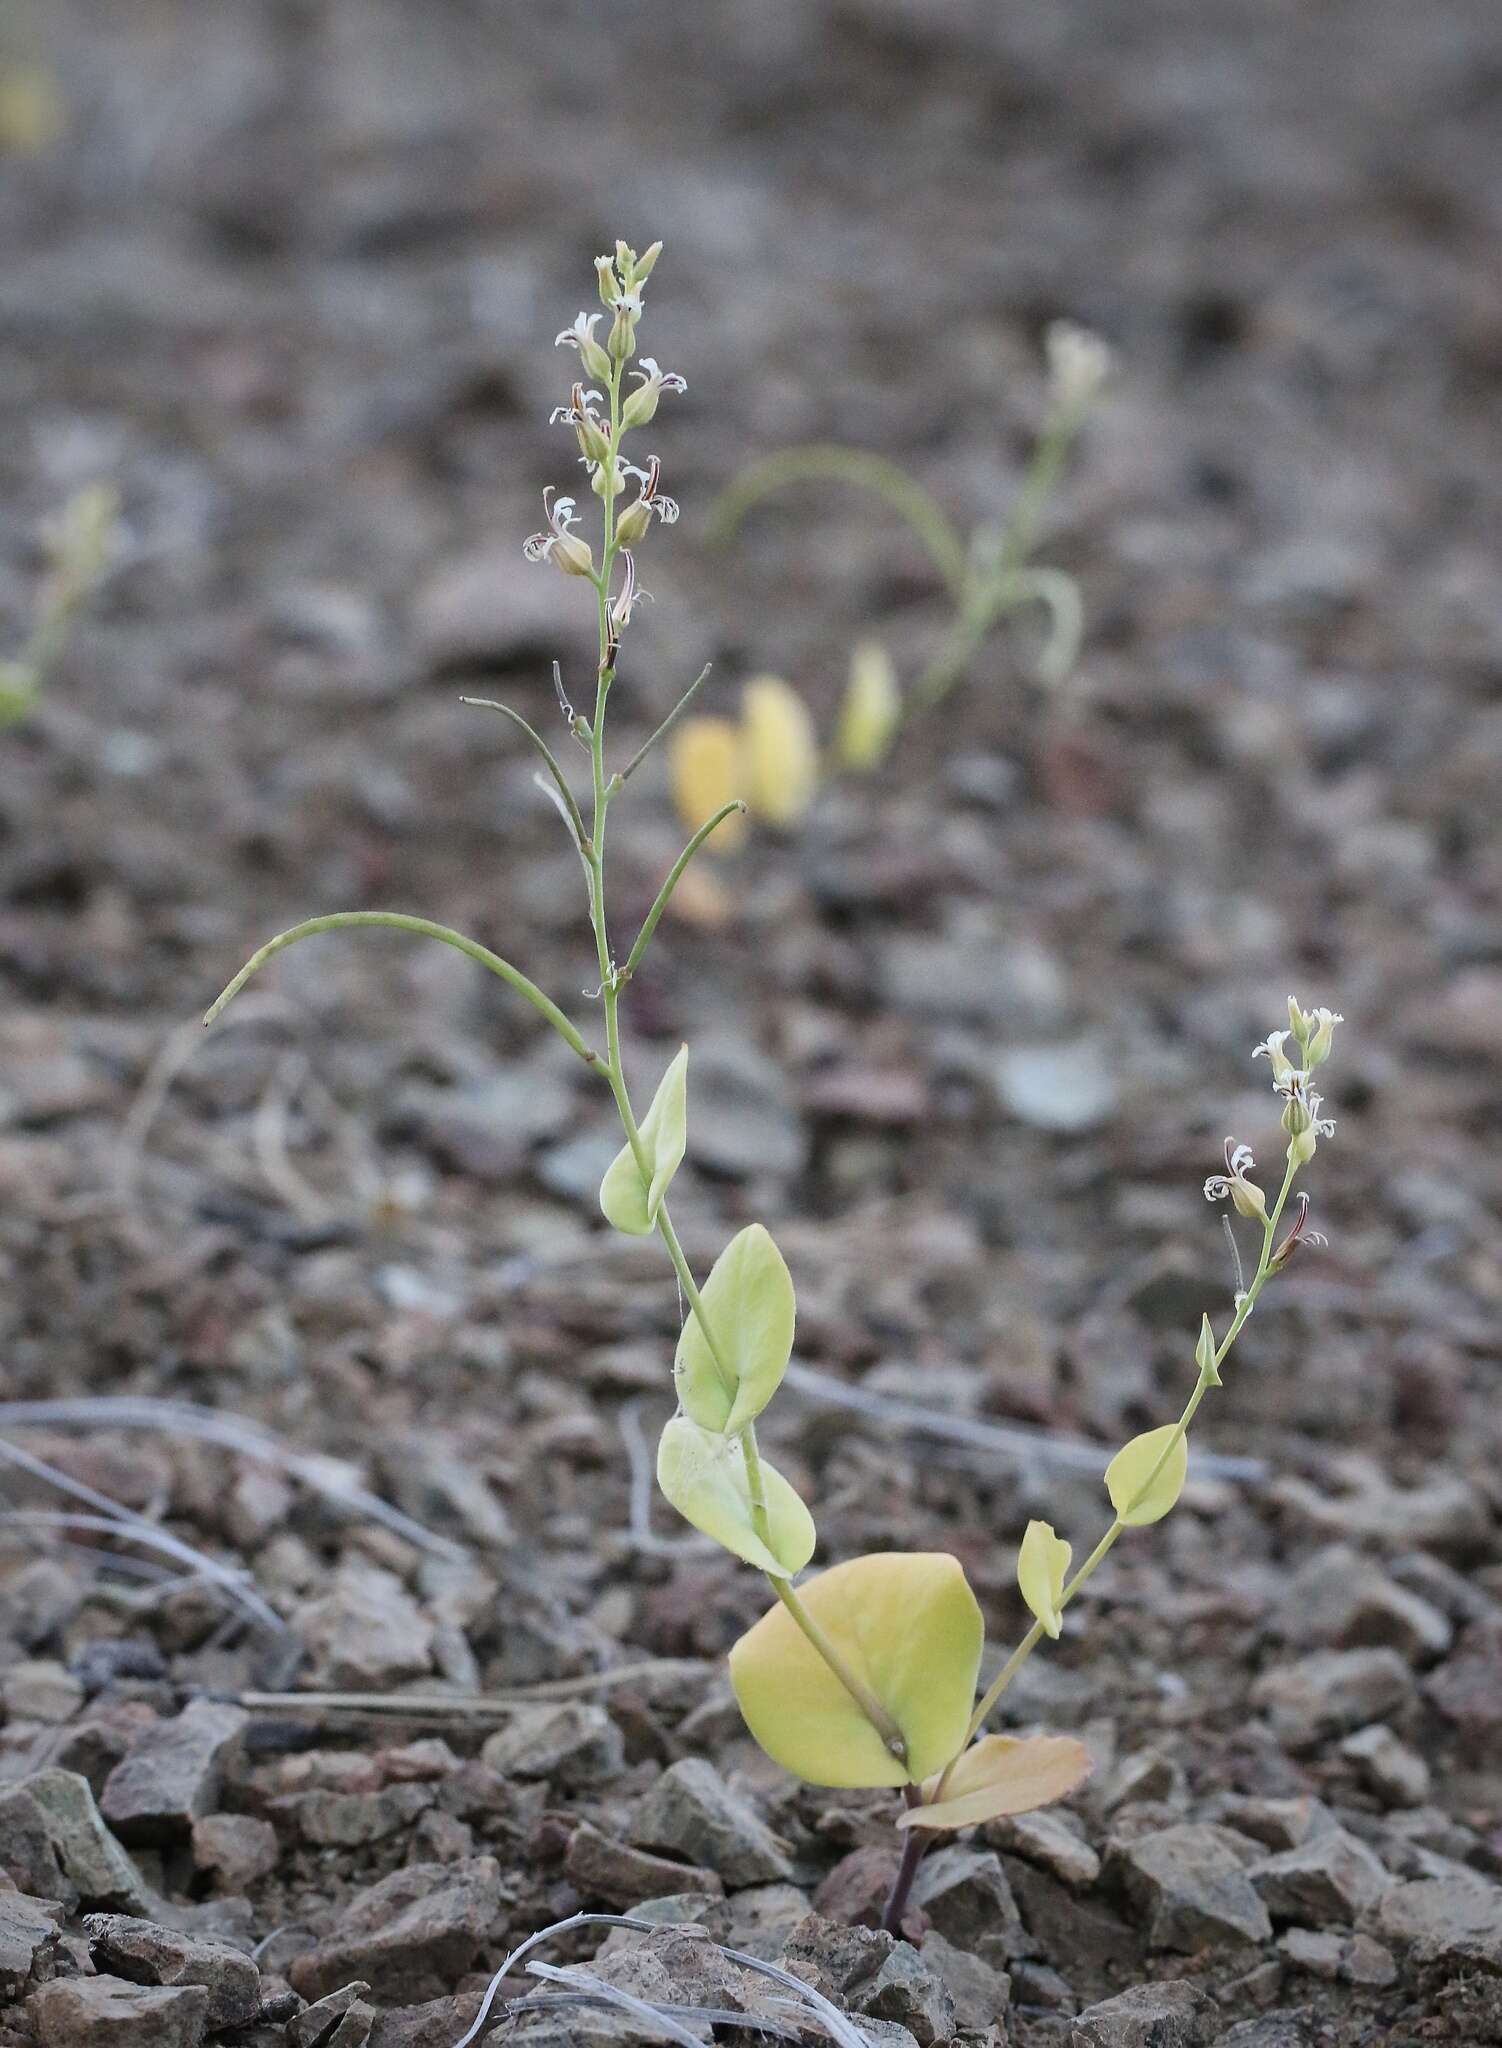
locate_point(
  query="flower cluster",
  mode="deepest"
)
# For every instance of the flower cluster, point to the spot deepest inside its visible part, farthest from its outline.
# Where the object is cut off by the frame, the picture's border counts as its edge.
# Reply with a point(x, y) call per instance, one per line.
point(1312, 1032)
point(600, 420)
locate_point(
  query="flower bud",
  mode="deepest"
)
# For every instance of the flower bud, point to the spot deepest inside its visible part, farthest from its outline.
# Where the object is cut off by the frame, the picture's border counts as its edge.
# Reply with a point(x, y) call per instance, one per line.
point(1300, 1023)
point(572, 555)
point(641, 269)
point(610, 287)
point(1302, 1148)
point(641, 404)
point(607, 479)
point(1325, 1022)
point(1296, 1119)
point(634, 523)
point(1249, 1200)
point(621, 341)
point(594, 441)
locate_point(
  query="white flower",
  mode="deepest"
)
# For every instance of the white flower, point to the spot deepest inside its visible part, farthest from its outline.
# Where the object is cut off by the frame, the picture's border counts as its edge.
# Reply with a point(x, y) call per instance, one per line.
point(565, 549)
point(1079, 363)
point(1234, 1182)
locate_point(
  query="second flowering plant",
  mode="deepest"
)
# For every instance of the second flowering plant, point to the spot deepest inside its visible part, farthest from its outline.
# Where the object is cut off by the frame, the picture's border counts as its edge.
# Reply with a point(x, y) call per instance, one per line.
point(868, 1673)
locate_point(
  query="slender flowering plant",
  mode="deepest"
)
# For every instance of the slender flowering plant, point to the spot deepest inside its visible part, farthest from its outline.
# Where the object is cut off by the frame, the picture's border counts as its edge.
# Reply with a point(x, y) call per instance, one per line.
point(868, 1673)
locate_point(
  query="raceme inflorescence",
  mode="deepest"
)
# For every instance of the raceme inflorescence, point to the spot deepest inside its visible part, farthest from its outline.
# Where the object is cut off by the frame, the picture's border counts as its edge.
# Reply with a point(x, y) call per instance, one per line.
point(867, 1674)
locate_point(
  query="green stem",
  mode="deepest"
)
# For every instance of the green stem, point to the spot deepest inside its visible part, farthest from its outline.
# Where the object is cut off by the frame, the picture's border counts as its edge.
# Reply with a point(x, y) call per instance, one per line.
point(344, 920)
point(644, 936)
point(861, 1693)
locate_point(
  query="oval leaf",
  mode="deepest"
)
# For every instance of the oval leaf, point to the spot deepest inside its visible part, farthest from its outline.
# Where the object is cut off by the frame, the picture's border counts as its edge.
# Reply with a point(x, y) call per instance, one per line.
point(703, 1474)
point(749, 1301)
point(871, 710)
point(1042, 1561)
point(907, 1626)
point(705, 767)
point(782, 756)
point(630, 1203)
point(1133, 1466)
point(1002, 1774)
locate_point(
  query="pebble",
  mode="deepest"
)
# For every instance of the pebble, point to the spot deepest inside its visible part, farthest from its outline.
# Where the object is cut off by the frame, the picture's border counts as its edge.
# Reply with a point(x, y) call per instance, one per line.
point(40, 1689)
point(1174, 2015)
point(573, 1742)
point(104, 2012)
point(1189, 1885)
point(437, 2024)
point(1340, 1600)
point(1397, 1774)
point(366, 1633)
point(411, 1935)
point(1048, 1839)
point(1467, 1689)
point(600, 1868)
point(1276, 1823)
point(1340, 1958)
point(346, 1820)
point(980, 1993)
point(316, 2024)
point(235, 1849)
point(51, 1829)
point(1064, 1088)
point(871, 1973)
point(760, 1919)
point(146, 1954)
point(170, 1777)
point(965, 1894)
point(1454, 1921)
point(28, 1937)
point(692, 1811)
point(1330, 1879)
point(1330, 1693)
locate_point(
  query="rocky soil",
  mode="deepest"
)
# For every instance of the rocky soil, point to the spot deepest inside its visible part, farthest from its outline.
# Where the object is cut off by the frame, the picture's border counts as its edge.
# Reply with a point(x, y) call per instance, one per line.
point(969, 1041)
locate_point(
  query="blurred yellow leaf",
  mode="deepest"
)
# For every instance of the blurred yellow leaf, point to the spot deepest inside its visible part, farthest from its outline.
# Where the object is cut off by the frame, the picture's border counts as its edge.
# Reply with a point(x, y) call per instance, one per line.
point(907, 1627)
point(1132, 1467)
point(782, 755)
point(1002, 1774)
point(706, 767)
point(871, 710)
point(1042, 1561)
point(32, 113)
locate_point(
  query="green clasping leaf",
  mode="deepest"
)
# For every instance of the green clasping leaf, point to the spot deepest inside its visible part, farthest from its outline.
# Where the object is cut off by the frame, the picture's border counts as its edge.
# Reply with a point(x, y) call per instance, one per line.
point(629, 1202)
point(1204, 1354)
point(907, 1627)
point(1132, 1468)
point(748, 1300)
point(1042, 1562)
point(703, 1475)
point(1002, 1774)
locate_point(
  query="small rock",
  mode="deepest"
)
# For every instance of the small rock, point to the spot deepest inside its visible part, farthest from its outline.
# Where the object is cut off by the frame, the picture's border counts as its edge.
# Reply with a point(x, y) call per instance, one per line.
point(1047, 1839)
point(693, 1811)
point(438, 2024)
point(346, 1820)
point(906, 1988)
point(617, 1875)
point(1277, 1823)
point(1189, 1885)
point(1150, 2016)
point(1330, 1879)
point(234, 1848)
point(315, 2023)
point(28, 1936)
point(760, 1919)
point(1340, 1958)
point(981, 1995)
point(414, 1933)
point(171, 1776)
point(965, 1894)
point(856, 1890)
point(1042, 1988)
point(40, 1689)
point(104, 2012)
point(1057, 1087)
point(146, 1954)
point(571, 1741)
point(366, 1633)
point(1340, 1600)
point(1397, 1774)
point(1147, 1777)
point(1330, 1693)
point(50, 1819)
point(1468, 1688)
point(1454, 1921)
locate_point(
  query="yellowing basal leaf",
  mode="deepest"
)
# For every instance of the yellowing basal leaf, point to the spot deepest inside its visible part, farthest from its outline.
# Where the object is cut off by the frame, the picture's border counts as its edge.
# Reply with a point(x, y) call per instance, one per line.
point(703, 1475)
point(1042, 1562)
point(706, 767)
point(630, 1203)
point(1129, 1471)
point(1002, 1774)
point(908, 1628)
point(782, 756)
point(872, 707)
point(749, 1301)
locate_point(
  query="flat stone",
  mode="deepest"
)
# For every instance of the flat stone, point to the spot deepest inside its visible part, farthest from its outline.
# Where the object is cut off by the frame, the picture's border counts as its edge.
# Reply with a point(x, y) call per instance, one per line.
point(171, 1776)
point(1340, 1958)
point(366, 1633)
point(146, 1954)
point(438, 2023)
point(965, 1895)
point(1397, 1774)
point(1150, 2016)
point(572, 1742)
point(1329, 1880)
point(760, 1918)
point(105, 2012)
point(1047, 1839)
point(1454, 1921)
point(908, 1989)
point(50, 1818)
point(312, 2027)
point(234, 1848)
point(40, 1689)
point(1190, 1887)
point(617, 1875)
point(1467, 1689)
point(1276, 1823)
point(1330, 1693)
point(980, 1993)
point(346, 1820)
point(410, 1936)
point(1339, 1599)
point(28, 1936)
point(693, 1811)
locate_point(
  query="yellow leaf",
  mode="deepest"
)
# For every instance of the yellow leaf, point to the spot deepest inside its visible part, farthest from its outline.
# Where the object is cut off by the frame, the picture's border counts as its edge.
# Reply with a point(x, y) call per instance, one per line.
point(704, 1476)
point(1042, 1562)
point(871, 710)
point(1132, 1468)
point(749, 1303)
point(782, 756)
point(1002, 1774)
point(907, 1627)
point(706, 767)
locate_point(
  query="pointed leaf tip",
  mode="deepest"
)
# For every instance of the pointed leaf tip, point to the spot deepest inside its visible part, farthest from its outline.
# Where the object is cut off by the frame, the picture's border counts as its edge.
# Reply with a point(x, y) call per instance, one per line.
point(629, 1202)
point(1042, 1561)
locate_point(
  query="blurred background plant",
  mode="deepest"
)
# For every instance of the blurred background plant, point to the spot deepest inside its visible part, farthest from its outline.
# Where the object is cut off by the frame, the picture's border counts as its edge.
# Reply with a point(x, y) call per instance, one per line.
point(771, 756)
point(78, 544)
